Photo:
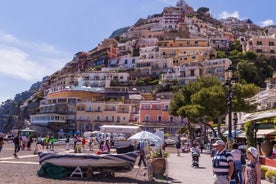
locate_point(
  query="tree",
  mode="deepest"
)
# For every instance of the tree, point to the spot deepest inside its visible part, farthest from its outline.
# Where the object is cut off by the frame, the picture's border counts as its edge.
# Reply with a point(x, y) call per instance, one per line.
point(203, 10)
point(221, 54)
point(205, 100)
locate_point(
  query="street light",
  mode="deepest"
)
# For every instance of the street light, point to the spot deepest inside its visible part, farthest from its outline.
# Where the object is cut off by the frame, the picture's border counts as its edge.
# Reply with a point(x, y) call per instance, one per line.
point(228, 84)
point(235, 119)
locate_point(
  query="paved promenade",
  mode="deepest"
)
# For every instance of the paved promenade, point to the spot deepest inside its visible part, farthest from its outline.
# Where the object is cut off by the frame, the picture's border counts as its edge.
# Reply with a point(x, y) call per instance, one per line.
point(24, 170)
point(180, 170)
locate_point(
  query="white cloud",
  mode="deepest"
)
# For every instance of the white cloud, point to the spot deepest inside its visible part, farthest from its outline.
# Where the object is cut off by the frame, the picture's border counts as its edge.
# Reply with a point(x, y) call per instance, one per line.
point(225, 15)
point(27, 60)
point(267, 23)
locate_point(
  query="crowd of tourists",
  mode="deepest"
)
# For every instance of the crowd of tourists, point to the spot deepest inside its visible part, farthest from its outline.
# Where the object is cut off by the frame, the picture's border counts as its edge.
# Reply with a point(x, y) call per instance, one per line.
point(231, 167)
point(228, 165)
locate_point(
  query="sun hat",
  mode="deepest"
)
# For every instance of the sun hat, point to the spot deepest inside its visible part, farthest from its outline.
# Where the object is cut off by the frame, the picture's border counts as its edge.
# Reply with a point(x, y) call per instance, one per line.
point(253, 151)
point(219, 142)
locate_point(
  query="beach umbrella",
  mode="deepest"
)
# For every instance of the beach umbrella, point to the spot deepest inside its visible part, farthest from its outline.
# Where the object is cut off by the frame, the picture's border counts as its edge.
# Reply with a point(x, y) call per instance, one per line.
point(145, 136)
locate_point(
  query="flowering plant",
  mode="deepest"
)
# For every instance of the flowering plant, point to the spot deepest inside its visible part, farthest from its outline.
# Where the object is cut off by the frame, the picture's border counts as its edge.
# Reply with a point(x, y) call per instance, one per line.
point(159, 154)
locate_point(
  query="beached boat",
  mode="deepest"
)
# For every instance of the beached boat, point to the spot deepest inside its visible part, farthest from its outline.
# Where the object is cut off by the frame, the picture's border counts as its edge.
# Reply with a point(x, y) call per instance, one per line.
point(115, 162)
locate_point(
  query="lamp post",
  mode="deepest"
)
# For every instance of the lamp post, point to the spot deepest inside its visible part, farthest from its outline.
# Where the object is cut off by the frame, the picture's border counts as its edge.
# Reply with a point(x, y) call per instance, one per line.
point(235, 119)
point(228, 84)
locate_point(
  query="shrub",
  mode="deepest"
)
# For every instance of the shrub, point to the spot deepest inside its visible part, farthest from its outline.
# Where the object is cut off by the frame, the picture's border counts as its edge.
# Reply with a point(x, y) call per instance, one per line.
point(159, 154)
point(270, 173)
point(264, 168)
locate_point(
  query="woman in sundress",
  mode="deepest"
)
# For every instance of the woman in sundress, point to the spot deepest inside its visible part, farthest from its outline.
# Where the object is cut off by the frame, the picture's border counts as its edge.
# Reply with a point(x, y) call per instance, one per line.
point(252, 173)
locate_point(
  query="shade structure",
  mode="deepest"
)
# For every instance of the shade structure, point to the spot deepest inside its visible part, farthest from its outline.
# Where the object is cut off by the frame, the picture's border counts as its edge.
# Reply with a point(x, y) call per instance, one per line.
point(145, 136)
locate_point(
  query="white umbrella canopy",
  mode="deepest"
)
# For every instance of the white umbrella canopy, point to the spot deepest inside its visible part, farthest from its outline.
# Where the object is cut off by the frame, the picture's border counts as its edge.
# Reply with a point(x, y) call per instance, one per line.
point(145, 136)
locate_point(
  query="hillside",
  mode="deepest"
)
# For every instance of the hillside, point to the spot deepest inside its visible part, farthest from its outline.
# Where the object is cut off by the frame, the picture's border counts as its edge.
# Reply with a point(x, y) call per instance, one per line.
point(188, 24)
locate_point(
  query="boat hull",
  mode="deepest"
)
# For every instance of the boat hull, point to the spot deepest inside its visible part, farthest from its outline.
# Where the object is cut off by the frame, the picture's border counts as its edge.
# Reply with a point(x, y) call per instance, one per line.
point(114, 162)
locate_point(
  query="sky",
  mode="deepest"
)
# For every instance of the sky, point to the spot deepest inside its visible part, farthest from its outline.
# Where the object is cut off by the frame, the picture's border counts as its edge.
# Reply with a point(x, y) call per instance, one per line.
point(37, 38)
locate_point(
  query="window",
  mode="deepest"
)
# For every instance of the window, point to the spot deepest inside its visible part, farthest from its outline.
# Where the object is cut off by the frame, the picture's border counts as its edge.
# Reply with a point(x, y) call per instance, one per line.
point(220, 70)
point(272, 51)
point(125, 61)
point(259, 43)
point(259, 50)
point(271, 43)
point(147, 118)
point(171, 118)
point(192, 72)
point(208, 71)
point(159, 118)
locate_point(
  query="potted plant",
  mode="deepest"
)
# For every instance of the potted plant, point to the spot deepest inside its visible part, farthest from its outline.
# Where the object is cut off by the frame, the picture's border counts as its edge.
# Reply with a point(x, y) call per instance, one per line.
point(266, 147)
point(263, 171)
point(159, 163)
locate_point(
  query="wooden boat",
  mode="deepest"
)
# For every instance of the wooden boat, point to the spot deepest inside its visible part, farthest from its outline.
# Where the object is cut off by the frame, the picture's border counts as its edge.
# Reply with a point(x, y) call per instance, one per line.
point(122, 162)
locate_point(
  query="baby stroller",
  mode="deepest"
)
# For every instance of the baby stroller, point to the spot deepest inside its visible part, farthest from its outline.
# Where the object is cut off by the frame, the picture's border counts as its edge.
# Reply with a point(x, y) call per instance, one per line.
point(195, 157)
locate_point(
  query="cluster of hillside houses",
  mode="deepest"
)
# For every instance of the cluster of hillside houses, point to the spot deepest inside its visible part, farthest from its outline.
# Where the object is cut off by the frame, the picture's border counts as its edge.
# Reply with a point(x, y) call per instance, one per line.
point(172, 47)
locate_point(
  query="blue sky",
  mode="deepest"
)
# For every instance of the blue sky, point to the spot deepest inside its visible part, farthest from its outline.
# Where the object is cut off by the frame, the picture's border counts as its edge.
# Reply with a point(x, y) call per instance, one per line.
point(38, 38)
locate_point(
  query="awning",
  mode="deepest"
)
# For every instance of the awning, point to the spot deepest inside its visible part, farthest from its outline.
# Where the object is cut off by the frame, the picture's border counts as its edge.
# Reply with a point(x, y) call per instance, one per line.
point(260, 133)
point(263, 132)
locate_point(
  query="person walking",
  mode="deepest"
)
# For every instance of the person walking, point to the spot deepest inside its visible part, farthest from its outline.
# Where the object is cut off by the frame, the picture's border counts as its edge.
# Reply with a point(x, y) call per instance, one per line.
point(16, 141)
point(67, 141)
point(47, 140)
point(178, 146)
point(223, 165)
point(252, 172)
point(142, 158)
point(91, 142)
point(39, 144)
point(52, 141)
point(83, 142)
point(75, 139)
point(237, 155)
point(1, 143)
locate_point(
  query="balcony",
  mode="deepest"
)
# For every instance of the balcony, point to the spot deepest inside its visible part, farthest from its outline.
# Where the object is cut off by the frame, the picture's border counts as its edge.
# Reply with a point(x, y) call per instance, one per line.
point(120, 111)
point(110, 109)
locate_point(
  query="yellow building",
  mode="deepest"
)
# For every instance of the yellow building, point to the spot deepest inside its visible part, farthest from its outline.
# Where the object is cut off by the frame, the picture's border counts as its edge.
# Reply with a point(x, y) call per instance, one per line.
point(262, 45)
point(186, 50)
point(90, 115)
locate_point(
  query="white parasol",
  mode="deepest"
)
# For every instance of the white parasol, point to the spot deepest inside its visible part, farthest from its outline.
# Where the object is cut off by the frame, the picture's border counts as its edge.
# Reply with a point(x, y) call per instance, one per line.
point(145, 136)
